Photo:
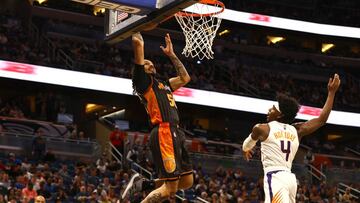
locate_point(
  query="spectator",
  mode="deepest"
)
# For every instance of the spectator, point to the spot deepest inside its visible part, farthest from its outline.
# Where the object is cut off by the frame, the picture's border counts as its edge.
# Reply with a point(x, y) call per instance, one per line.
point(117, 140)
point(28, 193)
point(39, 199)
point(39, 146)
point(81, 135)
point(94, 197)
point(43, 192)
point(133, 154)
point(25, 165)
point(82, 196)
point(346, 198)
point(104, 197)
point(61, 196)
point(309, 157)
point(101, 166)
point(49, 156)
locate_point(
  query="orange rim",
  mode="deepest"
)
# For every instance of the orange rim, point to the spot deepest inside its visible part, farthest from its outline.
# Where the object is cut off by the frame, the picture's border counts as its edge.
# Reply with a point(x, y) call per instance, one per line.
point(208, 2)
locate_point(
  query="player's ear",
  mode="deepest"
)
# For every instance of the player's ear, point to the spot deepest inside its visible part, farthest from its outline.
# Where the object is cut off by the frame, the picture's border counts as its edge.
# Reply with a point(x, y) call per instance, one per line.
point(280, 116)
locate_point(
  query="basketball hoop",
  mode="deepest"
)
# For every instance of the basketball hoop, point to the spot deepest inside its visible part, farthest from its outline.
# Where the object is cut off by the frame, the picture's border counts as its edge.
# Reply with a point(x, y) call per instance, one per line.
point(200, 24)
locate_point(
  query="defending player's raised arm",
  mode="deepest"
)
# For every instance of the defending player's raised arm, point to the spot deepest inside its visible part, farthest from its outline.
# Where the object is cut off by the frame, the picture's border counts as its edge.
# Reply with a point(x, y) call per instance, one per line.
point(312, 125)
point(182, 75)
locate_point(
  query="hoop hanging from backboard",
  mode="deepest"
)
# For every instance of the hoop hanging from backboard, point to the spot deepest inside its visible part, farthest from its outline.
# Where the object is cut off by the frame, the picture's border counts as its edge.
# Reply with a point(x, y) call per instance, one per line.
point(200, 24)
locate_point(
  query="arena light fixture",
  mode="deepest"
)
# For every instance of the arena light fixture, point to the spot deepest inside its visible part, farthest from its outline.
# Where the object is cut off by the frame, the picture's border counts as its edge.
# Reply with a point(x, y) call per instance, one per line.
point(41, 1)
point(333, 137)
point(226, 31)
point(326, 47)
point(98, 10)
point(92, 107)
point(274, 40)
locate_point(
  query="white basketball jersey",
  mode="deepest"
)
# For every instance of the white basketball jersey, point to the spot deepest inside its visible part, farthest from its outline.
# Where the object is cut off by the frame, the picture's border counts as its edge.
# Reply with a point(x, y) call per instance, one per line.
point(280, 148)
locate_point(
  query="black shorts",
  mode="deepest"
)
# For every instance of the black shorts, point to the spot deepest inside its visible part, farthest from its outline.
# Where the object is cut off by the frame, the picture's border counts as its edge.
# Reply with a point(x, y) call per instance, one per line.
point(171, 159)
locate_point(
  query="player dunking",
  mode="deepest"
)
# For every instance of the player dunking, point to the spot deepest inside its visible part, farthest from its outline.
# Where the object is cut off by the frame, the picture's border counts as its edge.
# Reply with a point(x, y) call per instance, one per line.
point(171, 160)
point(280, 142)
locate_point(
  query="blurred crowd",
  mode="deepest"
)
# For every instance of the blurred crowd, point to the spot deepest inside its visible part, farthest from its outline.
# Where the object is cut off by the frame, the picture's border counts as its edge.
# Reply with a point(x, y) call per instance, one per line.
point(232, 185)
point(235, 73)
point(235, 76)
point(16, 44)
point(339, 12)
point(41, 106)
point(60, 181)
point(21, 180)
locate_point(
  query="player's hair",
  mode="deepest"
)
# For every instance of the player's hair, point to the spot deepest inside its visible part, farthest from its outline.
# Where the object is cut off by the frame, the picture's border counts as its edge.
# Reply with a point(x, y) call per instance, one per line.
point(289, 107)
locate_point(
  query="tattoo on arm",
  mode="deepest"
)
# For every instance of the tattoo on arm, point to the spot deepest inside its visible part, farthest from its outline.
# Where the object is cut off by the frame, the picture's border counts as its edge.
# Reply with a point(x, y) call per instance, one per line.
point(155, 198)
point(179, 66)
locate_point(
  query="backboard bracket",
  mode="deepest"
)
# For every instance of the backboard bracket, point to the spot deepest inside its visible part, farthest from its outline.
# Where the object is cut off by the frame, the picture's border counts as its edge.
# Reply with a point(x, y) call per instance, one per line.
point(141, 22)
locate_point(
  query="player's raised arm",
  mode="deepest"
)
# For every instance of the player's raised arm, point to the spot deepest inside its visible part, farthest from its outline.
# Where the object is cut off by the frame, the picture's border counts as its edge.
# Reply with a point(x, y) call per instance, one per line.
point(138, 46)
point(182, 75)
point(141, 79)
point(312, 125)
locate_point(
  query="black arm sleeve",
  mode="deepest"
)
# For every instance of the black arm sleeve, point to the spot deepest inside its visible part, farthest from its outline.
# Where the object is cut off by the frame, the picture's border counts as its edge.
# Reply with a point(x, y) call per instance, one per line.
point(141, 80)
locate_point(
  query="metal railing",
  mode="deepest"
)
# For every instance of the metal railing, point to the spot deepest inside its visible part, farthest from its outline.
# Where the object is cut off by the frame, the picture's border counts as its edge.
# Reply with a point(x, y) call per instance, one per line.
point(339, 157)
point(66, 59)
point(117, 155)
point(87, 65)
point(305, 146)
point(354, 193)
point(180, 198)
point(201, 200)
point(57, 145)
point(34, 33)
point(336, 175)
point(317, 174)
point(51, 47)
point(210, 162)
point(141, 170)
point(352, 151)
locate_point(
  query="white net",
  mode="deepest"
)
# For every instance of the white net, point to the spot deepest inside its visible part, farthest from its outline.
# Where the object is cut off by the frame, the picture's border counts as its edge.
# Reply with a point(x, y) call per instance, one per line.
point(199, 30)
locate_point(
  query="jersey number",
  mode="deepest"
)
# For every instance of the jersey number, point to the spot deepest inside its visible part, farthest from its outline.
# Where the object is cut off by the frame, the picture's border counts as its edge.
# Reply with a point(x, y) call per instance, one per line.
point(171, 100)
point(287, 150)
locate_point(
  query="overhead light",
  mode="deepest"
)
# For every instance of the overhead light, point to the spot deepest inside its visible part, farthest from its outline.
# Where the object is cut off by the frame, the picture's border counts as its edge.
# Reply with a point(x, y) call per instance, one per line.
point(333, 137)
point(98, 10)
point(114, 107)
point(326, 47)
point(92, 107)
point(274, 40)
point(41, 1)
point(226, 31)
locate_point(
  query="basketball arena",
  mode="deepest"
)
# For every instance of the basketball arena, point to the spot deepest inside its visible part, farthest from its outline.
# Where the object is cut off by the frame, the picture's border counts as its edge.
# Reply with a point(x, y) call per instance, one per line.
point(202, 101)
